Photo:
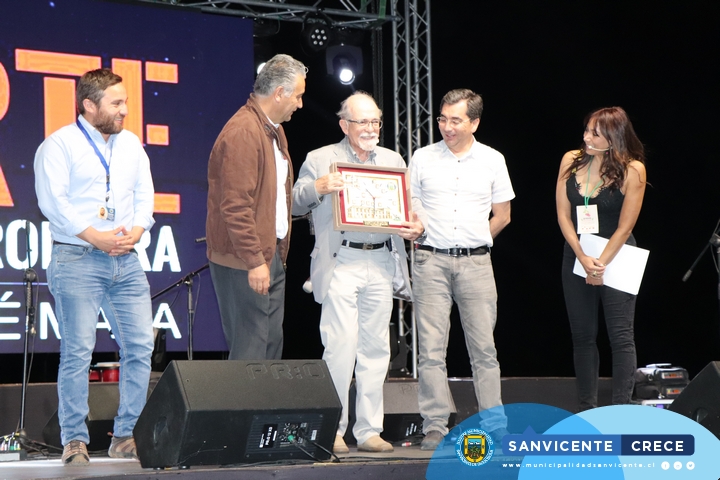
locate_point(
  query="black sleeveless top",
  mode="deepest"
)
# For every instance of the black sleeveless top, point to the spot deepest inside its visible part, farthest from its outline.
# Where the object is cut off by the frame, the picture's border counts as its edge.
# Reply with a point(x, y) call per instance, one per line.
point(609, 204)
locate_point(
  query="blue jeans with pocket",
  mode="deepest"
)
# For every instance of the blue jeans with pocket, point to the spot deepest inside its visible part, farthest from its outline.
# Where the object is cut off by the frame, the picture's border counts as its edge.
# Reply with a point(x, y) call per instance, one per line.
point(82, 280)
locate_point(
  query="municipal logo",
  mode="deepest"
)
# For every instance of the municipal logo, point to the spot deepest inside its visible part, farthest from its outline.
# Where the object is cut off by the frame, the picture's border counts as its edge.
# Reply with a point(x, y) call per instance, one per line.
point(474, 447)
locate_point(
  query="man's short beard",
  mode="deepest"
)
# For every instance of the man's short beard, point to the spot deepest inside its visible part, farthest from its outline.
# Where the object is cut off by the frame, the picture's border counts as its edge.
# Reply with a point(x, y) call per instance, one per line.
point(105, 124)
point(368, 144)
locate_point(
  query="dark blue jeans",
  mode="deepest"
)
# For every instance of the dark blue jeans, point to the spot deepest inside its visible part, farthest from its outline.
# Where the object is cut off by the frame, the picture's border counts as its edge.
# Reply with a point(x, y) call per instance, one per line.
point(582, 303)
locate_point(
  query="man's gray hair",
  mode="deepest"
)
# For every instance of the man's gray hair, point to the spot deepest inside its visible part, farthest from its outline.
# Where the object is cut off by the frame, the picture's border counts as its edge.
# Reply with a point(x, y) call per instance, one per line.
point(344, 112)
point(280, 71)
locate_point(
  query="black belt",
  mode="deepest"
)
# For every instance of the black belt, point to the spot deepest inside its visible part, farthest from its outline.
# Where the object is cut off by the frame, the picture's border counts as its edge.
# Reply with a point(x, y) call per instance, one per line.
point(55, 242)
point(367, 246)
point(456, 252)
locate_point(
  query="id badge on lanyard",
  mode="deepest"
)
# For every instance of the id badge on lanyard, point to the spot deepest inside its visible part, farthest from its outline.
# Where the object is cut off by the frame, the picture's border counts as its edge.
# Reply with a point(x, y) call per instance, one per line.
point(587, 219)
point(587, 215)
point(104, 211)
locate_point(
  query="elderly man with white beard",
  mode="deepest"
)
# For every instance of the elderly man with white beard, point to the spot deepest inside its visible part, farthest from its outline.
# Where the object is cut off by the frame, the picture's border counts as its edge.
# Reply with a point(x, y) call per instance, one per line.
point(352, 273)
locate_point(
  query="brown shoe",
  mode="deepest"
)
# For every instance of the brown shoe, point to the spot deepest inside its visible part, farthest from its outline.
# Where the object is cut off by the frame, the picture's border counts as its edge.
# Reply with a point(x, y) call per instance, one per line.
point(123, 447)
point(340, 446)
point(375, 444)
point(75, 453)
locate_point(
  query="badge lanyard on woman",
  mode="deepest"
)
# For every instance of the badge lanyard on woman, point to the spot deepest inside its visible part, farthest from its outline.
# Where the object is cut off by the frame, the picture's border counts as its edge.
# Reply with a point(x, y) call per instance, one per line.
point(587, 215)
point(104, 212)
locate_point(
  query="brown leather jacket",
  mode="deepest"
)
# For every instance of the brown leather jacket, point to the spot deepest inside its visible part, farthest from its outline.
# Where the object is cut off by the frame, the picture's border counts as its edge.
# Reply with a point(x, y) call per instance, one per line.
point(242, 191)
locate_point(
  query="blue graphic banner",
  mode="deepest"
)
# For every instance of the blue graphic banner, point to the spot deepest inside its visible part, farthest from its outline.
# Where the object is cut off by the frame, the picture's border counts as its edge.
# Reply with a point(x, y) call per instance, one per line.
point(533, 444)
point(629, 442)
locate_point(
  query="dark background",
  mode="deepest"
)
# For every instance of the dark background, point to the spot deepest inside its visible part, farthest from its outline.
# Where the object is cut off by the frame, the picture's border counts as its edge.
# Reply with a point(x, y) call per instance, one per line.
point(541, 68)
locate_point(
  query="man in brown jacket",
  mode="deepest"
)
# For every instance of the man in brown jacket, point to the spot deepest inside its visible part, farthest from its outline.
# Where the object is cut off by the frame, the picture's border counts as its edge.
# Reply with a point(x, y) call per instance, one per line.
point(250, 182)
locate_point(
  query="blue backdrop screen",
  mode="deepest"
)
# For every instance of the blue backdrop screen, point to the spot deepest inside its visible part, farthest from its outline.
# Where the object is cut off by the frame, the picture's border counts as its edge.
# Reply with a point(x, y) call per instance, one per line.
point(186, 73)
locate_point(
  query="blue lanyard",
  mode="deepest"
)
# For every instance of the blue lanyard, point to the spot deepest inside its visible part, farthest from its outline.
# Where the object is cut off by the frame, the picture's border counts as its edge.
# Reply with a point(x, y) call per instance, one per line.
point(100, 156)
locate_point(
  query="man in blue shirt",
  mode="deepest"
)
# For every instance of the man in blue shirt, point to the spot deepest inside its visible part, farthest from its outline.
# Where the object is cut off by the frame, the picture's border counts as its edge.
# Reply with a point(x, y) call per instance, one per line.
point(93, 183)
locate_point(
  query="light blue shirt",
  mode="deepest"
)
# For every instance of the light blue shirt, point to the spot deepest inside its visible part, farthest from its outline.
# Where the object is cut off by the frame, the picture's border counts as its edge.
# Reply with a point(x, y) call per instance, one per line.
point(71, 188)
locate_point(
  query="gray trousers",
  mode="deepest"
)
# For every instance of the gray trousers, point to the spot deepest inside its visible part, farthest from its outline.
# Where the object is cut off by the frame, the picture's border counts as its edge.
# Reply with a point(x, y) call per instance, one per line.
point(468, 281)
point(252, 323)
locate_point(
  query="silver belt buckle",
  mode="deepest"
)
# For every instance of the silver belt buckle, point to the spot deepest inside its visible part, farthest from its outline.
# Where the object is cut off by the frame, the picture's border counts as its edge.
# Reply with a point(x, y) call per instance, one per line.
point(367, 246)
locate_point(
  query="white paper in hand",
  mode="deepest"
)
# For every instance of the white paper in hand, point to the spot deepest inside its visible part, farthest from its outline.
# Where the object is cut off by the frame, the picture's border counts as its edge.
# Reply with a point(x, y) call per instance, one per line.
point(626, 270)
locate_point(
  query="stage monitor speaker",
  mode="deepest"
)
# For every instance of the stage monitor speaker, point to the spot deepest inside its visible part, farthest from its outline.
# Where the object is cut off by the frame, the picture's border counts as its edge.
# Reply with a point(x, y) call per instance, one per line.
point(699, 400)
point(223, 412)
point(402, 412)
point(103, 400)
point(402, 417)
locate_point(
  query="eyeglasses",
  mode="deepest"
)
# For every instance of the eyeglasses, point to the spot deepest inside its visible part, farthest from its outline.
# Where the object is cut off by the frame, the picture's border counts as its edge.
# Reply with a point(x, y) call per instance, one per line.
point(455, 122)
point(364, 123)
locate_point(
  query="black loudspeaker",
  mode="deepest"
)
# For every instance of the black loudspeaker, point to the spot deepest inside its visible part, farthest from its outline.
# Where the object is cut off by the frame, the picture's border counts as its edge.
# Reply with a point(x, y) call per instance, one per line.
point(402, 412)
point(221, 412)
point(103, 400)
point(699, 400)
point(402, 417)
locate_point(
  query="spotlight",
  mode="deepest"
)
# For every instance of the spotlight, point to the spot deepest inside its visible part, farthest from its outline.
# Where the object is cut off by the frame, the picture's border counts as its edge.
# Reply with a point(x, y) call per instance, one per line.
point(344, 61)
point(346, 75)
point(317, 36)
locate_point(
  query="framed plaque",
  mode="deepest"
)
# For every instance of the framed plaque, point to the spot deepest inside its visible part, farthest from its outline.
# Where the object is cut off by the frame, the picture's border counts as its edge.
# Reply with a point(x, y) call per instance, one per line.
point(374, 198)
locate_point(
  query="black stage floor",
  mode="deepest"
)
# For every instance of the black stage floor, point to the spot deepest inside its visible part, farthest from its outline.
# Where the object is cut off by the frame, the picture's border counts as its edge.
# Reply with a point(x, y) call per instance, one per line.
point(404, 463)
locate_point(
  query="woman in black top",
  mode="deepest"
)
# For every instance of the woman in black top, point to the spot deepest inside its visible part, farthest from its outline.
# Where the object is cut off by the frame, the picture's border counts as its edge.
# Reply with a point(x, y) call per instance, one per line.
point(600, 190)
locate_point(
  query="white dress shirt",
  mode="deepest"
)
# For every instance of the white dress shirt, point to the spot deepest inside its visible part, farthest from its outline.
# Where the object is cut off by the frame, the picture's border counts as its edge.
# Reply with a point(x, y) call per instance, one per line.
point(453, 196)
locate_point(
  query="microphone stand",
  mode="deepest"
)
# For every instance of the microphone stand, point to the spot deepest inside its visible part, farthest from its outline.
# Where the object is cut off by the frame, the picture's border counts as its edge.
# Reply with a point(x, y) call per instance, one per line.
point(187, 280)
point(715, 242)
point(29, 277)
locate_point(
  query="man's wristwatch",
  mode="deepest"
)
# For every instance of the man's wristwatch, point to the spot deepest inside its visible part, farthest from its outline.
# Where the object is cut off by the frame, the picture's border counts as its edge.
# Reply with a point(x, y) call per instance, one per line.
point(422, 237)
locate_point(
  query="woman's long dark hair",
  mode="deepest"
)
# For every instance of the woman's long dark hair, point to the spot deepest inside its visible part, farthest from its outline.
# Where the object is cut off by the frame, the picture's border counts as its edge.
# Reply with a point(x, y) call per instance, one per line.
point(613, 124)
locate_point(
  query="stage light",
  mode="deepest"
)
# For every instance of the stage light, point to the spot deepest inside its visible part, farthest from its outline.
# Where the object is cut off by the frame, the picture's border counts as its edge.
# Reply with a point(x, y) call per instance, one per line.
point(317, 36)
point(346, 76)
point(345, 62)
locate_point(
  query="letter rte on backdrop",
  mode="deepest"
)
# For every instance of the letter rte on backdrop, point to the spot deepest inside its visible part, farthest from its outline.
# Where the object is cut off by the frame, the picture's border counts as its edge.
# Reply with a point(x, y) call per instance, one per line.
point(178, 102)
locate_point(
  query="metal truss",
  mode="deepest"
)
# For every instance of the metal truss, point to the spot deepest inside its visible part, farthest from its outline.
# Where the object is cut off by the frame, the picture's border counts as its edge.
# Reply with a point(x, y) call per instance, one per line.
point(335, 13)
point(412, 66)
point(412, 63)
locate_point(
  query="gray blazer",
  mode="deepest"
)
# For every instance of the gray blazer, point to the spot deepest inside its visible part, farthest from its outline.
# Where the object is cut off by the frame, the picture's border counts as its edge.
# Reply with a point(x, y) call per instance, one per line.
point(327, 240)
